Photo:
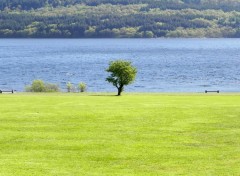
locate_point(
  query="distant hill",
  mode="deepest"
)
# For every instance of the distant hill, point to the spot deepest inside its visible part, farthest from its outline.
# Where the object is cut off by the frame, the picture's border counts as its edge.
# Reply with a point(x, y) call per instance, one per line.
point(119, 18)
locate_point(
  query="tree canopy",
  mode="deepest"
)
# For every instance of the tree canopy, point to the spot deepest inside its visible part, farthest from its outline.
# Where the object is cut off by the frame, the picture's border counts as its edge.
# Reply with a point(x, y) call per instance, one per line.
point(122, 74)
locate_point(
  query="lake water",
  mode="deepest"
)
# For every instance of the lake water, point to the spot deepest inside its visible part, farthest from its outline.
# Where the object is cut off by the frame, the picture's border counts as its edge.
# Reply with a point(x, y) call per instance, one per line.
point(164, 65)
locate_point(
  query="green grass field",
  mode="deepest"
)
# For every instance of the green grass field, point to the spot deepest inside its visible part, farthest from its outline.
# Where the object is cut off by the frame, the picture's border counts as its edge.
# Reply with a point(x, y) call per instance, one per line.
point(136, 134)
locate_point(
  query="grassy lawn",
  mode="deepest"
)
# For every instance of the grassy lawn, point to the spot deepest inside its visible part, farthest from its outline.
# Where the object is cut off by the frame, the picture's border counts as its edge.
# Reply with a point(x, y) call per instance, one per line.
point(136, 134)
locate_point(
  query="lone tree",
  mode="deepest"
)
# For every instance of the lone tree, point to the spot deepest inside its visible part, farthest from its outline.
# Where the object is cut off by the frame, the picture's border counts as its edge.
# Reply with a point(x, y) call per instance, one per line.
point(122, 73)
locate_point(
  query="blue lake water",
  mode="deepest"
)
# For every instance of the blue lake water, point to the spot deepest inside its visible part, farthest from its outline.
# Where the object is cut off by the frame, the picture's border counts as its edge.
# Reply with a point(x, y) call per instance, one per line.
point(164, 65)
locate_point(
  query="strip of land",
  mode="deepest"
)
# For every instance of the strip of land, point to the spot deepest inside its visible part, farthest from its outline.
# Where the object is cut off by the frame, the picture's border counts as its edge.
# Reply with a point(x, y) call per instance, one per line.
point(135, 134)
point(119, 18)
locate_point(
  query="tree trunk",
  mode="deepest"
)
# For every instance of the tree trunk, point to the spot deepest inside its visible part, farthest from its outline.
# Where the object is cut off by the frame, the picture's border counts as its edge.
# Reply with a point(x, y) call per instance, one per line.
point(119, 92)
point(120, 89)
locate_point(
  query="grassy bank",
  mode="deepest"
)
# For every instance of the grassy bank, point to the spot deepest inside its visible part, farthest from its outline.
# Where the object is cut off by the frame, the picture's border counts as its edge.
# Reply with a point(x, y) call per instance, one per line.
point(145, 134)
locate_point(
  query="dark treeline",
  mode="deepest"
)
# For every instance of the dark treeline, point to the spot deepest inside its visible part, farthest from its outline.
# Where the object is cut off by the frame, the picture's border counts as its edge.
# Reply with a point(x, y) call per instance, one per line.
point(225, 5)
point(119, 18)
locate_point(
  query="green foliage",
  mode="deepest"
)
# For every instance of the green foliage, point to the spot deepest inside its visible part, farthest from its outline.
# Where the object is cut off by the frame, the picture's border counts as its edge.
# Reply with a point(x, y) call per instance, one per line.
point(82, 87)
point(149, 34)
point(40, 86)
point(131, 19)
point(69, 86)
point(122, 74)
point(226, 5)
point(49, 87)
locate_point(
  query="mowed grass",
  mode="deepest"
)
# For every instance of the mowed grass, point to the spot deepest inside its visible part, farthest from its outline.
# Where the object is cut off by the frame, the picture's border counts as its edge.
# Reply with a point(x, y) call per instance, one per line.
point(136, 134)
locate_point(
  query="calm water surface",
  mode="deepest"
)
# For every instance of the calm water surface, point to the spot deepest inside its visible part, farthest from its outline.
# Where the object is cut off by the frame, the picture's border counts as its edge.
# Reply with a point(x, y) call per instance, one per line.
point(164, 65)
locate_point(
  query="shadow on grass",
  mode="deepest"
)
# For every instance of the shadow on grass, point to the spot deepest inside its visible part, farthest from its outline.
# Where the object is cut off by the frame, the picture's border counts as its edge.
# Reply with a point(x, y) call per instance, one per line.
point(104, 95)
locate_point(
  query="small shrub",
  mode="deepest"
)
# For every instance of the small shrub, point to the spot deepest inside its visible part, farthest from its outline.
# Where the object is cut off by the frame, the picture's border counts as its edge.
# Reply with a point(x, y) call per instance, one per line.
point(28, 88)
point(49, 87)
point(82, 87)
point(69, 86)
point(39, 86)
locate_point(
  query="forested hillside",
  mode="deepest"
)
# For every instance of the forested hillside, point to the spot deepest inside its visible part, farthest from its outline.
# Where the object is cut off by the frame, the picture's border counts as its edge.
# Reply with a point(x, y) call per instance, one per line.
point(119, 18)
